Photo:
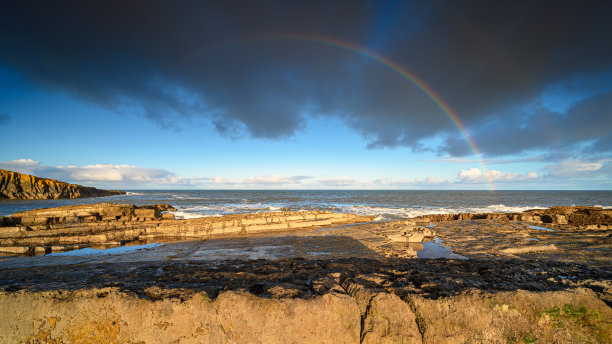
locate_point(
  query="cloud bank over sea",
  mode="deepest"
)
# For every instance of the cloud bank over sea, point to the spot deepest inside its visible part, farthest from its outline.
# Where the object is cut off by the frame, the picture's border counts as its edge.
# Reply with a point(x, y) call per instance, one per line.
point(134, 177)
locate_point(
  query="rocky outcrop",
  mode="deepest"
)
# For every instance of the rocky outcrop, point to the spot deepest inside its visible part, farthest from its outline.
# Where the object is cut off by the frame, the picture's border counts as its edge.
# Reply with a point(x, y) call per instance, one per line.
point(359, 316)
point(15, 185)
point(584, 217)
point(410, 232)
point(71, 227)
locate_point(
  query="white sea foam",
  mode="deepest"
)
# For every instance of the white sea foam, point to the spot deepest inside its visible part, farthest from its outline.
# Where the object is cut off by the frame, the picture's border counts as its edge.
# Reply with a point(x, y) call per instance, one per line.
point(380, 213)
point(223, 209)
point(185, 215)
point(393, 213)
point(603, 206)
point(129, 193)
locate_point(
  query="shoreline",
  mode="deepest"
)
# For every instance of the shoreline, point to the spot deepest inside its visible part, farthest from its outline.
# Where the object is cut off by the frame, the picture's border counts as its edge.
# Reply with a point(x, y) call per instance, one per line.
point(543, 275)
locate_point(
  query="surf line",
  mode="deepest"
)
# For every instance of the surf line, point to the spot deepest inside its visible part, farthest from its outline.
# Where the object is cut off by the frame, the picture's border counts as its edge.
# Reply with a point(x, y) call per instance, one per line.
point(416, 81)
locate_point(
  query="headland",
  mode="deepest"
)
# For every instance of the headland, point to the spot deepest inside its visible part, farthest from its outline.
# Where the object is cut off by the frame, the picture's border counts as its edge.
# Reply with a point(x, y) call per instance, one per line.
point(14, 185)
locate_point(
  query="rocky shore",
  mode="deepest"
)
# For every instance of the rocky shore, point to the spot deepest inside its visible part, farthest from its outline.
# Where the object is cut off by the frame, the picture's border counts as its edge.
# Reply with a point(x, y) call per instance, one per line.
point(58, 229)
point(582, 217)
point(15, 185)
point(541, 276)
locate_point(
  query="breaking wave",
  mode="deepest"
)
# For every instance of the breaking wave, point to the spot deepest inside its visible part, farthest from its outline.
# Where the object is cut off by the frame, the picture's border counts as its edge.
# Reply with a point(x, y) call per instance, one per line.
point(386, 213)
point(224, 209)
point(380, 213)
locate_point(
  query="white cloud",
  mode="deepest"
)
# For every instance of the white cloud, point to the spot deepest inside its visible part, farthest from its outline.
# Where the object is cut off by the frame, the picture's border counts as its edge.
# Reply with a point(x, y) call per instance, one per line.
point(416, 182)
point(134, 177)
point(96, 174)
point(477, 176)
point(116, 173)
point(265, 180)
point(20, 165)
point(340, 181)
point(579, 168)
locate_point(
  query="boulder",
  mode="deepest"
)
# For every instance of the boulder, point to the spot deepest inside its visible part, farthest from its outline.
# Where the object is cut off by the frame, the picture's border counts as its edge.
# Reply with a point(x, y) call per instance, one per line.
point(415, 236)
point(428, 233)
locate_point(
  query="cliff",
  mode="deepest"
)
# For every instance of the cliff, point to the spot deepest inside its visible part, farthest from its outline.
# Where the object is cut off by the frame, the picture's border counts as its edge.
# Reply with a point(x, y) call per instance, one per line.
point(15, 185)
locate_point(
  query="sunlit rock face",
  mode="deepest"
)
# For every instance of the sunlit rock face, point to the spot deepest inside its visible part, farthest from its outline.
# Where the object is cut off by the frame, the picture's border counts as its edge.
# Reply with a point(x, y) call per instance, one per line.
point(15, 185)
point(72, 227)
point(581, 216)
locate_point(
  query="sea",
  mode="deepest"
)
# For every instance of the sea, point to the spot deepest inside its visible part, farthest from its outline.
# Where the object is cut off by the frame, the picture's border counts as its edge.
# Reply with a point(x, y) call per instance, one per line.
point(385, 205)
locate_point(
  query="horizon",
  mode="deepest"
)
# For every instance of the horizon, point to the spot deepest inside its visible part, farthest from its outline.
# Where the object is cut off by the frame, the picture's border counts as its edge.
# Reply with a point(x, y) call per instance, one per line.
point(504, 96)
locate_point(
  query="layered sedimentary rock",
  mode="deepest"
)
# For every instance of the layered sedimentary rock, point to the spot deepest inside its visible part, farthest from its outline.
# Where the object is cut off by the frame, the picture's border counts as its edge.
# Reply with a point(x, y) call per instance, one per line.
point(15, 185)
point(358, 315)
point(586, 217)
point(69, 227)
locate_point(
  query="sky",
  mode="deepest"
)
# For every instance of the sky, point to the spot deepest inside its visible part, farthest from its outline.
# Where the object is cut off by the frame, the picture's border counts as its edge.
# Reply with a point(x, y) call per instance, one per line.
point(308, 94)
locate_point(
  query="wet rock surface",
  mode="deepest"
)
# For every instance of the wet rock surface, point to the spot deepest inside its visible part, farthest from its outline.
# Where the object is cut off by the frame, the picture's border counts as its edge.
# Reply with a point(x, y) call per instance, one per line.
point(430, 278)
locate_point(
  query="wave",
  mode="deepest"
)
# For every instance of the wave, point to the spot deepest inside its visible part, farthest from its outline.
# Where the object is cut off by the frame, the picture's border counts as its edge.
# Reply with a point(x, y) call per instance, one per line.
point(603, 206)
point(129, 193)
point(387, 213)
point(224, 209)
point(380, 213)
point(185, 215)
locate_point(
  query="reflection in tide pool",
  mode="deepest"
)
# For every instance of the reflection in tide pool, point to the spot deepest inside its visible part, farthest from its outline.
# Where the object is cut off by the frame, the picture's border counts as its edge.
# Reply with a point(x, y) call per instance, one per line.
point(115, 250)
point(542, 228)
point(435, 249)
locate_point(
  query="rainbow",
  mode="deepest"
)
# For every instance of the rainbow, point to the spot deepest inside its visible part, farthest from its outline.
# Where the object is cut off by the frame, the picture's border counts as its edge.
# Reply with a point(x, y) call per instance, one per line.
point(400, 70)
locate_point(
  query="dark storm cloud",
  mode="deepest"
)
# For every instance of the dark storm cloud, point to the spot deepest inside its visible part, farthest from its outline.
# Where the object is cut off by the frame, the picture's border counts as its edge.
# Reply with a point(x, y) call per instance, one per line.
point(177, 62)
point(583, 130)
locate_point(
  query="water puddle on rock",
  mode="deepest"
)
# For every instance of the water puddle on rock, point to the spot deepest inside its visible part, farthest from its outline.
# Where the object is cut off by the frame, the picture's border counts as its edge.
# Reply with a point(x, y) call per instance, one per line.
point(88, 251)
point(319, 253)
point(541, 228)
point(434, 249)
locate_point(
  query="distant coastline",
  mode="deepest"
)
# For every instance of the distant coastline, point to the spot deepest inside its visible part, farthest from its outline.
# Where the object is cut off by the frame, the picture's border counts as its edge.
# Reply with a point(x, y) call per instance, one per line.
point(385, 204)
point(14, 185)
